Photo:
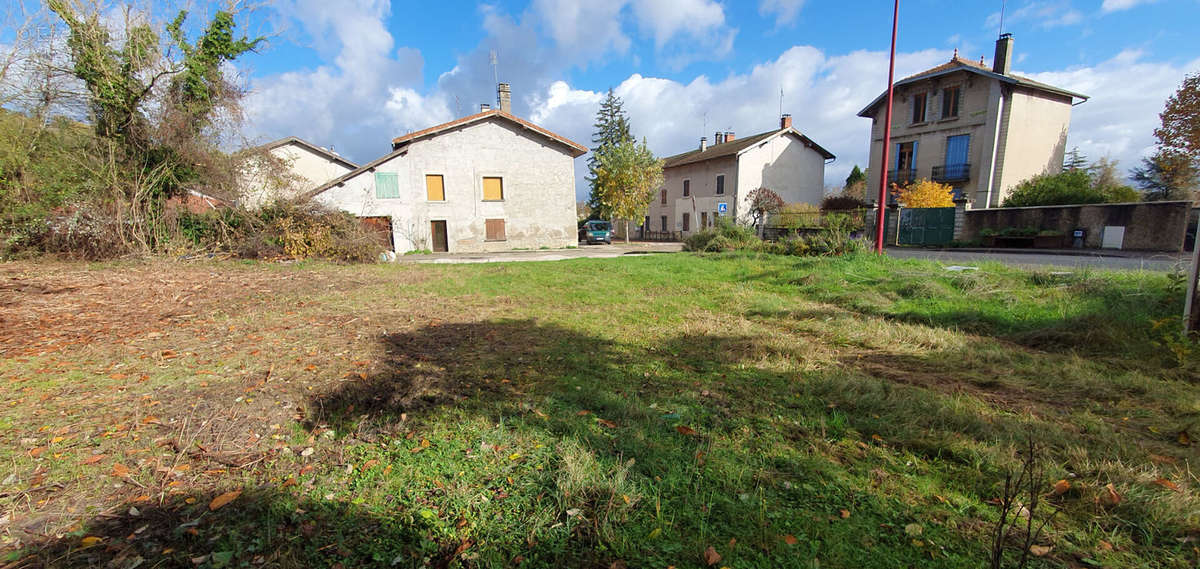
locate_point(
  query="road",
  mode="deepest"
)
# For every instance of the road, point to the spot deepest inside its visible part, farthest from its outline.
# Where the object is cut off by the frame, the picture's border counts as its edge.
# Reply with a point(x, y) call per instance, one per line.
point(1113, 260)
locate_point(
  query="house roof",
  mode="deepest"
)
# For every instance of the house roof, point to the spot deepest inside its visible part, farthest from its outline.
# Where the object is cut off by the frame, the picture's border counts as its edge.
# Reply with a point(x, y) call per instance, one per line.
point(324, 152)
point(577, 149)
point(956, 64)
point(736, 147)
point(400, 143)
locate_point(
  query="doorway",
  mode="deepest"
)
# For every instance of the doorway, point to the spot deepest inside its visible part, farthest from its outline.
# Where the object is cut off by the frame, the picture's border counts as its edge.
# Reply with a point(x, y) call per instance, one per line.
point(440, 241)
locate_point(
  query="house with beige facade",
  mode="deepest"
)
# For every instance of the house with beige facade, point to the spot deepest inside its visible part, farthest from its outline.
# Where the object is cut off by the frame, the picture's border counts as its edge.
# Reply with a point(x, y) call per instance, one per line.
point(486, 182)
point(711, 182)
point(979, 129)
point(287, 169)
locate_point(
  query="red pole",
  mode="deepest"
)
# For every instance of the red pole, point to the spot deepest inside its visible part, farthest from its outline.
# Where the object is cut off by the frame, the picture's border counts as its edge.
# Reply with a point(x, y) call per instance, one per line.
point(887, 136)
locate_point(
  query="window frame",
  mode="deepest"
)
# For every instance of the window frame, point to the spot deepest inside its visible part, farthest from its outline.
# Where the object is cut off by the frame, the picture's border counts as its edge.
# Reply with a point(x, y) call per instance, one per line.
point(442, 179)
point(720, 184)
point(923, 108)
point(687, 187)
point(663, 220)
point(663, 197)
point(957, 101)
point(483, 188)
point(487, 230)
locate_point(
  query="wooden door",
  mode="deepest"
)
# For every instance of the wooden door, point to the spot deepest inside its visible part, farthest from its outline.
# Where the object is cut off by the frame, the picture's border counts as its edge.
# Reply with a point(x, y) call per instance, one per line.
point(440, 241)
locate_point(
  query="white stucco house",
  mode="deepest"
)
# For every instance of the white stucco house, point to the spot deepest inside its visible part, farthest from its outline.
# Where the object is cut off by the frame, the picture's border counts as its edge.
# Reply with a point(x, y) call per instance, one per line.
point(702, 185)
point(286, 169)
point(486, 182)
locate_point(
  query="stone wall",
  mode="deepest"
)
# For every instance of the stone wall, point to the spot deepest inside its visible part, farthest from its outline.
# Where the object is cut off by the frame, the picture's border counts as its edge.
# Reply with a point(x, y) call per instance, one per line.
point(1149, 226)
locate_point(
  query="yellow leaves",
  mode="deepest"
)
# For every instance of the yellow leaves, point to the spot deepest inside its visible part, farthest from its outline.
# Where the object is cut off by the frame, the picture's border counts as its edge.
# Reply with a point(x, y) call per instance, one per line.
point(926, 193)
point(514, 456)
point(424, 445)
point(223, 499)
point(90, 540)
point(685, 430)
point(654, 533)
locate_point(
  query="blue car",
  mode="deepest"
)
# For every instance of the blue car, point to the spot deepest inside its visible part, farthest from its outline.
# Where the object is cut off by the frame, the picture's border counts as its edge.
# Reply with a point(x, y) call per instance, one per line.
point(596, 232)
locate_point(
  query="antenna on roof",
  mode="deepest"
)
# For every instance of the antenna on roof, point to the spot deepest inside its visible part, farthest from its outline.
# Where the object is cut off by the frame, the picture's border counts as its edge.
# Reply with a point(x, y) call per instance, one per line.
point(781, 101)
point(495, 73)
point(1003, 6)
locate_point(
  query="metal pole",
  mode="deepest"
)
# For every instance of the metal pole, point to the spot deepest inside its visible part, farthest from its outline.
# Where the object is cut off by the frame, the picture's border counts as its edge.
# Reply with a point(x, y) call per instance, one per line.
point(1190, 317)
point(887, 136)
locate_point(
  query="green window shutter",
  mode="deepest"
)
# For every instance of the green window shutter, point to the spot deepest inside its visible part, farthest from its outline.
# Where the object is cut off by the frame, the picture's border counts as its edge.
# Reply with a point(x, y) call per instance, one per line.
point(387, 185)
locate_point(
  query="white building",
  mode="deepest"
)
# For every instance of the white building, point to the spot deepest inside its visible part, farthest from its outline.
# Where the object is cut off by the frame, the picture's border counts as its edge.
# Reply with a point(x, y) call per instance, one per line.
point(486, 182)
point(286, 169)
point(714, 181)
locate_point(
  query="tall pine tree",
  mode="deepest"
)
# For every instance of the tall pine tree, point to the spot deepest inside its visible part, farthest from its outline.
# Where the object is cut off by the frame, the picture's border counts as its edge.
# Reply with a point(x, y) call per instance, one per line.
point(612, 130)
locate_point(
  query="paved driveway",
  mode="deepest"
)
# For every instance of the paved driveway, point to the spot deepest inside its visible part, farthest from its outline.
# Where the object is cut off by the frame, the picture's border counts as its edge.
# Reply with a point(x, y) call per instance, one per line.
point(1116, 260)
point(583, 251)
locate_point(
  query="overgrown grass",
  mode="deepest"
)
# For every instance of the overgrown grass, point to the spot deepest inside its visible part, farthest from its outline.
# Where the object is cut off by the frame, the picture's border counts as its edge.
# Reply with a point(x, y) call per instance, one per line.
point(796, 412)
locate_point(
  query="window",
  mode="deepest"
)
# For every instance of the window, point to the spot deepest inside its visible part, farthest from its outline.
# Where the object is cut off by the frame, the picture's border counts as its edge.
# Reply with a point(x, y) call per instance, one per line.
point(687, 222)
point(703, 219)
point(493, 189)
point(646, 224)
point(494, 229)
point(687, 188)
point(918, 108)
point(663, 197)
point(720, 184)
point(664, 223)
point(435, 190)
point(950, 98)
point(387, 185)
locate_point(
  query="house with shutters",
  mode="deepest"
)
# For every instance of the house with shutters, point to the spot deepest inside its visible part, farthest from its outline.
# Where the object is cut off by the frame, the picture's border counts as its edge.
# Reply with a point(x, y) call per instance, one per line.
point(702, 185)
point(980, 129)
point(490, 181)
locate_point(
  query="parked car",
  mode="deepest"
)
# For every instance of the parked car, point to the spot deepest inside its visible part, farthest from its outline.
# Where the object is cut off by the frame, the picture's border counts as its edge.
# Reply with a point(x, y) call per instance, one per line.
point(595, 231)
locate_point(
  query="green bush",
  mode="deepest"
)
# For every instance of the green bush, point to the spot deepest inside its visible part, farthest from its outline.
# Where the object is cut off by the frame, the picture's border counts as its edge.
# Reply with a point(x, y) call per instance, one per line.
point(1072, 187)
point(724, 237)
point(834, 239)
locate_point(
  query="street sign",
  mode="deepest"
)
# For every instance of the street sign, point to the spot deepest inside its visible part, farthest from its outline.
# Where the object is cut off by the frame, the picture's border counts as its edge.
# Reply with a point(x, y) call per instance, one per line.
point(722, 207)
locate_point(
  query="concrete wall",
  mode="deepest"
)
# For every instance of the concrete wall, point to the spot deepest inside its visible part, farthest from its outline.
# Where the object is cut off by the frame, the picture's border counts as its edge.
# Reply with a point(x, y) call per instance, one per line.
point(305, 170)
point(538, 179)
point(1149, 226)
point(1034, 139)
point(783, 163)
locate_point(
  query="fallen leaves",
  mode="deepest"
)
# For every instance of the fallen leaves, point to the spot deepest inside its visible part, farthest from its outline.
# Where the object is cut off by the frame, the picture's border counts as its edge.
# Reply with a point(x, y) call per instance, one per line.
point(36, 451)
point(1184, 438)
point(93, 459)
point(711, 557)
point(686, 430)
point(1109, 496)
point(844, 513)
point(790, 539)
point(1041, 550)
point(90, 541)
point(120, 470)
point(223, 499)
point(606, 423)
point(1060, 488)
point(1168, 484)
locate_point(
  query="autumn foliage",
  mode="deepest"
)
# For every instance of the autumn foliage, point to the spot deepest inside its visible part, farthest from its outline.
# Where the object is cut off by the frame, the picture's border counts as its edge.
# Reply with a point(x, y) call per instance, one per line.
point(925, 193)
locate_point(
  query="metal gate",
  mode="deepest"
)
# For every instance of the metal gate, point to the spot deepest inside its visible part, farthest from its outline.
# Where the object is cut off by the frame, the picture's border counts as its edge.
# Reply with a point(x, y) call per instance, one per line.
point(925, 226)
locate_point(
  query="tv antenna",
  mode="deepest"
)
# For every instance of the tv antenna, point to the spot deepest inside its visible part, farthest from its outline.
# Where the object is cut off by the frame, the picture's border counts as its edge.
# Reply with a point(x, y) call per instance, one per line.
point(1003, 6)
point(495, 73)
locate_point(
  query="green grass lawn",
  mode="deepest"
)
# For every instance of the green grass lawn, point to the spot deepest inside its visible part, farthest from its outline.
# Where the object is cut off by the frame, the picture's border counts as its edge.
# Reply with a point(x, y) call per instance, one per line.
point(782, 411)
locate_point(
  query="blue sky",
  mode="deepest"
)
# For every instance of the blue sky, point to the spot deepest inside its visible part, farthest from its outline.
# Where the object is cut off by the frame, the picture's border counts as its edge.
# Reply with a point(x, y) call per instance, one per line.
point(355, 73)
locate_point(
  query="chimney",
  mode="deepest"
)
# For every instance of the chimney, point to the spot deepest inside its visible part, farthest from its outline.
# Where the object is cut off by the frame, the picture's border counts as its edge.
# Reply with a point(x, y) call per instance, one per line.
point(785, 121)
point(1002, 64)
point(703, 143)
point(718, 137)
point(484, 107)
point(504, 96)
point(729, 136)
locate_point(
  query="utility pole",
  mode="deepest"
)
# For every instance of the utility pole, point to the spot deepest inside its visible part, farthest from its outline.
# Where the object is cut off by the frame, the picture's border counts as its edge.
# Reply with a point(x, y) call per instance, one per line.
point(887, 136)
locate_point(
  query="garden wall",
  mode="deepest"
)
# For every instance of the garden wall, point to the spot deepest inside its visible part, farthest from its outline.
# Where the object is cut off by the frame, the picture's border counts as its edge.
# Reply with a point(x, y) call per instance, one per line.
point(1149, 226)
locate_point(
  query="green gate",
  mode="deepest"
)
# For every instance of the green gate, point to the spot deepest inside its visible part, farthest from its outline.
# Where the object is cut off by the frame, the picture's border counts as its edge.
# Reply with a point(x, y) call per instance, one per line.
point(925, 226)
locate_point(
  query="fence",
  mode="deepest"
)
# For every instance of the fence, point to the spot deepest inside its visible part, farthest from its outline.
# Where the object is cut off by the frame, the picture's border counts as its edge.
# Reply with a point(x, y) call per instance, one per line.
point(786, 224)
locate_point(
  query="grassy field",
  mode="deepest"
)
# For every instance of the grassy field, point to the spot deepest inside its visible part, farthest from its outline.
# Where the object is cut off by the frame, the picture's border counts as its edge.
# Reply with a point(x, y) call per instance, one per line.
point(653, 411)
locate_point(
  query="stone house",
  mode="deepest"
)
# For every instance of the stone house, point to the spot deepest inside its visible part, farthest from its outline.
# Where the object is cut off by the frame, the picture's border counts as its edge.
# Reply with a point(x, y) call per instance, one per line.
point(486, 182)
point(287, 168)
point(702, 185)
point(979, 129)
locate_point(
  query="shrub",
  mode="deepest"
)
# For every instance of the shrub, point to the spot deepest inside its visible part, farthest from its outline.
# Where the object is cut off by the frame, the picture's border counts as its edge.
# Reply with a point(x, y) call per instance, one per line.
point(725, 236)
point(926, 193)
point(1068, 188)
point(842, 203)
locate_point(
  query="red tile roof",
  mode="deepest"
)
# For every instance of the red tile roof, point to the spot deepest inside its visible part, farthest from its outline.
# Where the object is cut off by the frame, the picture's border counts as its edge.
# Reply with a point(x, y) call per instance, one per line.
point(577, 149)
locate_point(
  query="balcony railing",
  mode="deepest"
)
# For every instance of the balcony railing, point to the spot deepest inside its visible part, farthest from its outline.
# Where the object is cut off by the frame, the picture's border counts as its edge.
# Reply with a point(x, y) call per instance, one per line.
point(902, 177)
point(952, 173)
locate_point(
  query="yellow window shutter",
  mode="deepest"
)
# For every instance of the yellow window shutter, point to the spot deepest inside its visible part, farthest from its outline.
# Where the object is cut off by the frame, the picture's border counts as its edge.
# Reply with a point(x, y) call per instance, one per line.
point(493, 189)
point(435, 191)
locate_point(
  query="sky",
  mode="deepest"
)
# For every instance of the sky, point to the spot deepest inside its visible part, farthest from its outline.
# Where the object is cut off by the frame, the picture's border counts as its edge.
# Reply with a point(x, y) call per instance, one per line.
point(353, 74)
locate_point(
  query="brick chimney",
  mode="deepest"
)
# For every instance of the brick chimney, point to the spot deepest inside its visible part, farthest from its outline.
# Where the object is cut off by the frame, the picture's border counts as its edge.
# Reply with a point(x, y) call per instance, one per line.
point(785, 121)
point(504, 95)
point(1002, 64)
point(484, 107)
point(729, 136)
point(718, 137)
point(703, 143)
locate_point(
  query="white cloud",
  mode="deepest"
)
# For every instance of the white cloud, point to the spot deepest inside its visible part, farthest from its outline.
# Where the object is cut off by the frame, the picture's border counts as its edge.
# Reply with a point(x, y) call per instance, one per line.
point(785, 11)
point(1118, 5)
point(1045, 14)
point(582, 26)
